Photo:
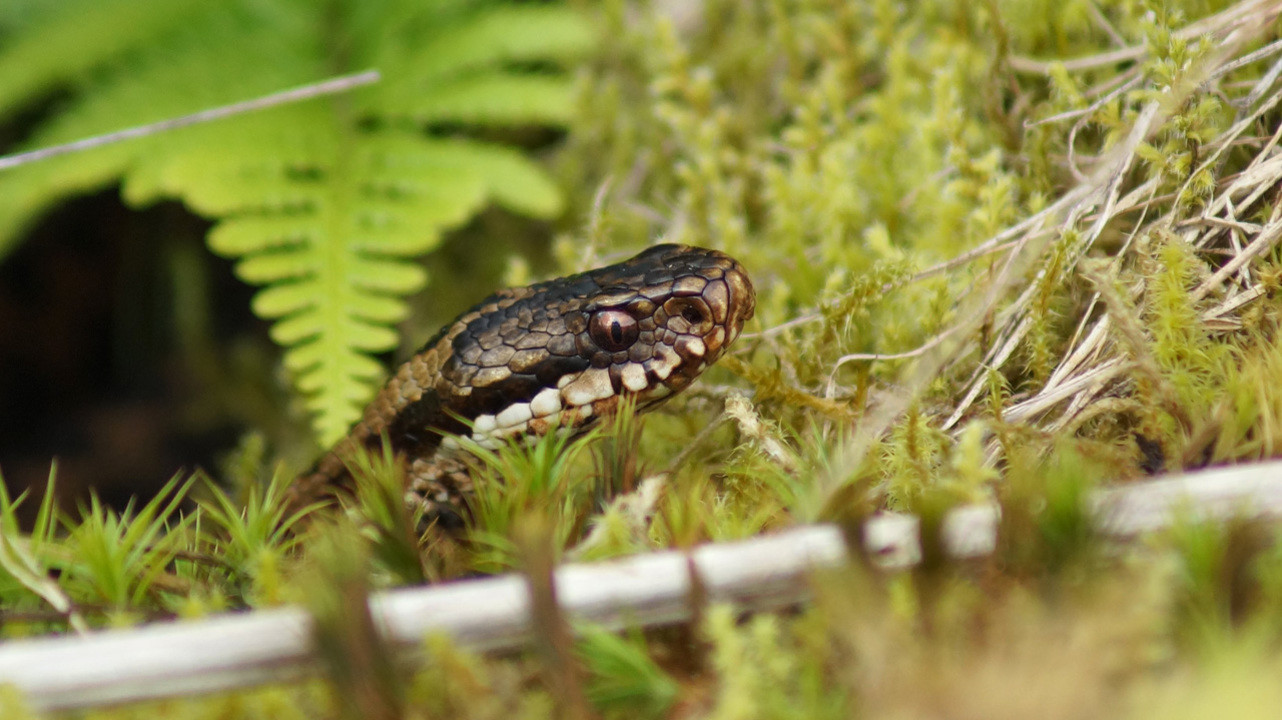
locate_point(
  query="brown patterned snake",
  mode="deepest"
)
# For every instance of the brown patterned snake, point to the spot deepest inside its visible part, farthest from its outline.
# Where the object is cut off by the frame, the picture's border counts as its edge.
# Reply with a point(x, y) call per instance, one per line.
point(560, 353)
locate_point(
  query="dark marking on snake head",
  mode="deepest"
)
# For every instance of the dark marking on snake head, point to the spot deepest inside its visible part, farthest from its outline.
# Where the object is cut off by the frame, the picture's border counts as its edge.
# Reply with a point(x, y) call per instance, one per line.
point(556, 367)
point(417, 428)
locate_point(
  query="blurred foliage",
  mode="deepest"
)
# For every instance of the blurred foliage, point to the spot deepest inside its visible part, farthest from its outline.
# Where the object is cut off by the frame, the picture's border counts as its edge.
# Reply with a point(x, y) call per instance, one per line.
point(849, 153)
point(322, 203)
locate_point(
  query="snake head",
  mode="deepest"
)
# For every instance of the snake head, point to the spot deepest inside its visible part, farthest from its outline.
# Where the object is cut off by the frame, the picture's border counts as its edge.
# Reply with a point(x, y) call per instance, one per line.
point(660, 319)
point(559, 354)
point(564, 352)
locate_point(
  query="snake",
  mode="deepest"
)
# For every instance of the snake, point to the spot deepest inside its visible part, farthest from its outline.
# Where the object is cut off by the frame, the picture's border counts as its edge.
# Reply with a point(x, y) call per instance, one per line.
point(560, 354)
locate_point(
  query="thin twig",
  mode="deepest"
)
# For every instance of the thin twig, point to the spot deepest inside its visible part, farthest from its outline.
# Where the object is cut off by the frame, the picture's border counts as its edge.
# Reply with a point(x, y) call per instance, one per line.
point(1089, 109)
point(1102, 23)
point(1264, 241)
point(1030, 66)
point(305, 92)
point(915, 352)
point(1259, 13)
point(784, 327)
point(1270, 49)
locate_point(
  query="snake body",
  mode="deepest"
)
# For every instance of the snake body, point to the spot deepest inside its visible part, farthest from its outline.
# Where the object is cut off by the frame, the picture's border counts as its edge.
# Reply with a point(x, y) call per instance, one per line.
point(560, 353)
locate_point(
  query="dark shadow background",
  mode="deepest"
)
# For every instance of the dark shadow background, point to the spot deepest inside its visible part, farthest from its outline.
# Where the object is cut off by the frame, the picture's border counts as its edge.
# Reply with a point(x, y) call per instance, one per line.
point(128, 352)
point(97, 345)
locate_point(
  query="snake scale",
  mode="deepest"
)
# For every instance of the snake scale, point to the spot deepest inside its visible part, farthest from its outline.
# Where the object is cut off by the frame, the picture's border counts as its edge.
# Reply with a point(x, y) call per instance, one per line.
point(560, 353)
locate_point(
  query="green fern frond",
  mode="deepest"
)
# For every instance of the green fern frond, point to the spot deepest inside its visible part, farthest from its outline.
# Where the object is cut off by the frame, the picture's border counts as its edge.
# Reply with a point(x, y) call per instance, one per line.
point(61, 45)
point(324, 204)
point(499, 98)
point(498, 35)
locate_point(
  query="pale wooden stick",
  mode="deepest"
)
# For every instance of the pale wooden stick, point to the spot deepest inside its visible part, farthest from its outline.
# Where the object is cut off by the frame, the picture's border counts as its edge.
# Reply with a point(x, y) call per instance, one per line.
point(237, 650)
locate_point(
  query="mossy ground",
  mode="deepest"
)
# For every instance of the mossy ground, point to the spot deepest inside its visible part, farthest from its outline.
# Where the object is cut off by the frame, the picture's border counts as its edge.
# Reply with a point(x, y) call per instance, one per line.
point(937, 216)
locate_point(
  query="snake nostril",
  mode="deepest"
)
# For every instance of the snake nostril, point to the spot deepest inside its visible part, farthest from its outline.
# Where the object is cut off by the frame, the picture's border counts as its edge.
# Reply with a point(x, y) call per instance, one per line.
point(692, 314)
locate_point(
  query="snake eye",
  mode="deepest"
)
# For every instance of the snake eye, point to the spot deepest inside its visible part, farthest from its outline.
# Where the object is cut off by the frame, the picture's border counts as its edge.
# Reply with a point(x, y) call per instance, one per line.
point(613, 330)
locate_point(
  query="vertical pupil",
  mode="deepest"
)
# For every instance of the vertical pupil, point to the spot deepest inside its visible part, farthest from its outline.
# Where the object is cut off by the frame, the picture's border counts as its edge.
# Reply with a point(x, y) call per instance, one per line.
point(611, 330)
